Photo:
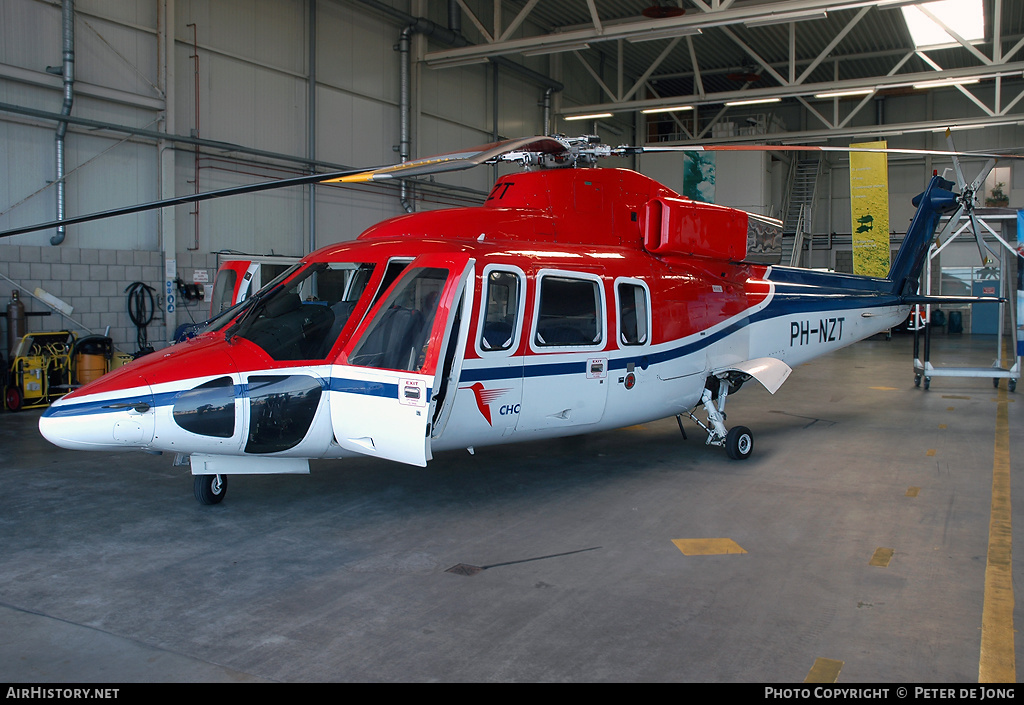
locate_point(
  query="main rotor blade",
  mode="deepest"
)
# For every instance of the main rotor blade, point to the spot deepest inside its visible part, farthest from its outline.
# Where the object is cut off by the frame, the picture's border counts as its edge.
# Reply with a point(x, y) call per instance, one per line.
point(812, 148)
point(453, 161)
point(523, 149)
point(180, 200)
point(456, 161)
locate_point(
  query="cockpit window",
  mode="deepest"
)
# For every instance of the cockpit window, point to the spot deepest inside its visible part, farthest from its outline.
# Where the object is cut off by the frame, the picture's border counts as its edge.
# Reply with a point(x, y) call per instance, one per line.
point(397, 337)
point(301, 320)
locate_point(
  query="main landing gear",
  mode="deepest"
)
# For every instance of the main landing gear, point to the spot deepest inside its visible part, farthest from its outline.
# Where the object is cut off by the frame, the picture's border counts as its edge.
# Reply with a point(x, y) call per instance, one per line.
point(739, 441)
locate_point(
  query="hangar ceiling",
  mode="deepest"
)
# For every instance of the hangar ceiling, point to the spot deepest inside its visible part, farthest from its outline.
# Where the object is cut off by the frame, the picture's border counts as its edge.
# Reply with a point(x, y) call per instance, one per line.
point(642, 54)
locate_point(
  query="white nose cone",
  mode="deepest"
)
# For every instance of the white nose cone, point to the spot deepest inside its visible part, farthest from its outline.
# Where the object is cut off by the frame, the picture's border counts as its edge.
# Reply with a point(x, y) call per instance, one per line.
point(124, 419)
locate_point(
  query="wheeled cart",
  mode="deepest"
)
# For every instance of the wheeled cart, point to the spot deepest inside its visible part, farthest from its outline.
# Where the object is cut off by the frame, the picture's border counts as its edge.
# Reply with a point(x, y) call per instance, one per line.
point(1007, 362)
point(40, 370)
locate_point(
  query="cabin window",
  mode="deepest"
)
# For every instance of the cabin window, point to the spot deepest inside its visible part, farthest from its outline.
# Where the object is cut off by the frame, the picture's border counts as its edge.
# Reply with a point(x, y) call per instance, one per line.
point(397, 337)
point(207, 410)
point(569, 312)
point(501, 310)
point(302, 319)
point(634, 317)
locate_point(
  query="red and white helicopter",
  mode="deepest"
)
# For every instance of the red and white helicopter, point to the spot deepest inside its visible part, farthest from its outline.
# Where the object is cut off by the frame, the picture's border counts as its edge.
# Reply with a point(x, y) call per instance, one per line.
point(576, 299)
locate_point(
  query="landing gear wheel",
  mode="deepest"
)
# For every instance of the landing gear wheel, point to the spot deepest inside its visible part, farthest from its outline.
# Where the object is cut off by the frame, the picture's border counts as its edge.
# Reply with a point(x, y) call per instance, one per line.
point(927, 382)
point(210, 489)
point(917, 380)
point(1012, 385)
point(12, 398)
point(739, 443)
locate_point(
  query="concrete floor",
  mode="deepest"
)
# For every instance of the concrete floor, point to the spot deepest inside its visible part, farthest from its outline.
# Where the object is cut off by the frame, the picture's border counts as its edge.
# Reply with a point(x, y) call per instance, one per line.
point(110, 571)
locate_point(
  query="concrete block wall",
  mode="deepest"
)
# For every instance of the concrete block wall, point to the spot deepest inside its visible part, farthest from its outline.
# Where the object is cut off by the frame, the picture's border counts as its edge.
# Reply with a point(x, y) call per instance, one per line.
point(93, 281)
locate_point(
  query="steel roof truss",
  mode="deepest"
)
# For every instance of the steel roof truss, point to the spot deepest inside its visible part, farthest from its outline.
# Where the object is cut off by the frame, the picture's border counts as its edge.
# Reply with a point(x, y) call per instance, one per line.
point(832, 45)
point(755, 56)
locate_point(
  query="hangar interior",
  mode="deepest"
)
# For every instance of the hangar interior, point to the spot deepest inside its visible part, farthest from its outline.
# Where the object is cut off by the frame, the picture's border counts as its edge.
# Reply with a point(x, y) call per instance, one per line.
point(167, 99)
point(105, 104)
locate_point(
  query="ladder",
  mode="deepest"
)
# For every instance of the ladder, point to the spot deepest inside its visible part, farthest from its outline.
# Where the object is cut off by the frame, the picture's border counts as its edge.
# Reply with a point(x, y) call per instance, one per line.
point(800, 199)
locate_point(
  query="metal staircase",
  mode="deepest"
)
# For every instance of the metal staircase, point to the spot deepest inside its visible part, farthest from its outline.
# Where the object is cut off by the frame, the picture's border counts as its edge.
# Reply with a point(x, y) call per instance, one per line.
point(800, 199)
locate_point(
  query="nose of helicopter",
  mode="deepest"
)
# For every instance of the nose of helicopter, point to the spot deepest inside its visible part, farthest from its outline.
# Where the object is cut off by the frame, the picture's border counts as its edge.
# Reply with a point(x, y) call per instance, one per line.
point(120, 419)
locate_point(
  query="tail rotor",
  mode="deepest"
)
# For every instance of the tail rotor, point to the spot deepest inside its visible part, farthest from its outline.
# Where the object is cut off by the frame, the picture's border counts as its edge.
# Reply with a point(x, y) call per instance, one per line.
point(967, 200)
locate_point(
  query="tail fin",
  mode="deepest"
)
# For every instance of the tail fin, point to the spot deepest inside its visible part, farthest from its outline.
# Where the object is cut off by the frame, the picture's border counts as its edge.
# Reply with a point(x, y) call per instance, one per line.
point(931, 205)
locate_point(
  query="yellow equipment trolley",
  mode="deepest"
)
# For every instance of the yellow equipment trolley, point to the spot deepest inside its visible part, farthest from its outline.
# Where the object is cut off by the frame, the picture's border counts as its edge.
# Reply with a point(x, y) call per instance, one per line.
point(40, 370)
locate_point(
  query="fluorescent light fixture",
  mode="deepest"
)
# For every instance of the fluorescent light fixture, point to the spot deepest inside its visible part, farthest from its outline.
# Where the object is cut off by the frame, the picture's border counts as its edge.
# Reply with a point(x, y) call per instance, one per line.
point(785, 18)
point(947, 82)
point(592, 116)
point(963, 16)
point(753, 101)
point(844, 94)
point(672, 109)
point(554, 48)
point(663, 34)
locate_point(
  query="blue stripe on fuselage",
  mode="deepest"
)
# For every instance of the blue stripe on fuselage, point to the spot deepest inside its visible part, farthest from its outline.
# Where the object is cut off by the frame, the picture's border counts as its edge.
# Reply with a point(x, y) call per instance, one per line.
point(788, 299)
point(795, 295)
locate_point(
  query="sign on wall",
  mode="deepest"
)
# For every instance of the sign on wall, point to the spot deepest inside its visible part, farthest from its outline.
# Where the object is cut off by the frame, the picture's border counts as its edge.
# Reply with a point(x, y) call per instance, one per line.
point(869, 206)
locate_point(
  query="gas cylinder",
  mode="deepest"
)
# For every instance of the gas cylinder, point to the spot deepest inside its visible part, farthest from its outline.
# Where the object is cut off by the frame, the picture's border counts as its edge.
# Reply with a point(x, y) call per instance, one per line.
point(15, 322)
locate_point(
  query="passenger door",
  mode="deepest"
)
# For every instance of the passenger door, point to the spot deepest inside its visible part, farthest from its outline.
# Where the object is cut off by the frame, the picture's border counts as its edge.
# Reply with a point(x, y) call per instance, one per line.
point(565, 381)
point(388, 381)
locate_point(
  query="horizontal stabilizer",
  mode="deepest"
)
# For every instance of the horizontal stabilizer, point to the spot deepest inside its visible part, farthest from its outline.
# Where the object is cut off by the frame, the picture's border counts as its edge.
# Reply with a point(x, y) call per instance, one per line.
point(770, 372)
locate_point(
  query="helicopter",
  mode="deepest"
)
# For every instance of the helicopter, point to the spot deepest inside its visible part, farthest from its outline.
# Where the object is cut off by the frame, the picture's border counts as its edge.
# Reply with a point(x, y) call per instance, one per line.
point(575, 299)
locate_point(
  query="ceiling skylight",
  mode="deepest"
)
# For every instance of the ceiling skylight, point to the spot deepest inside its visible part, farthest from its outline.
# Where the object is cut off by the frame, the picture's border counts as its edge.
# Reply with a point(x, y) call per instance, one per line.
point(963, 16)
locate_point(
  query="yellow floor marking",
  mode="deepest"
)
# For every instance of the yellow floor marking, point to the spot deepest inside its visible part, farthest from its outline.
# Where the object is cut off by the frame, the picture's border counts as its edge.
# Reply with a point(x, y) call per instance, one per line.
point(824, 670)
point(942, 425)
point(881, 557)
point(950, 408)
point(931, 452)
point(884, 389)
point(997, 663)
point(707, 547)
point(913, 491)
point(953, 396)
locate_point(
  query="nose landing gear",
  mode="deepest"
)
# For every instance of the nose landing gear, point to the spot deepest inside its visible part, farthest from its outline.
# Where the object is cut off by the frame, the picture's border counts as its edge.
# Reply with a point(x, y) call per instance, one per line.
point(210, 489)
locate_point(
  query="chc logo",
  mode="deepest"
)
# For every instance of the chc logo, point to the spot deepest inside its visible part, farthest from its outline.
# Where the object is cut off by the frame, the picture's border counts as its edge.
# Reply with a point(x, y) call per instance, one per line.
point(486, 397)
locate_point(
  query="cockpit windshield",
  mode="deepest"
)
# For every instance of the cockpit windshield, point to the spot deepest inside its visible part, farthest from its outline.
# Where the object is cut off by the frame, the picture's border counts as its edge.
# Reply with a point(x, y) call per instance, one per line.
point(301, 319)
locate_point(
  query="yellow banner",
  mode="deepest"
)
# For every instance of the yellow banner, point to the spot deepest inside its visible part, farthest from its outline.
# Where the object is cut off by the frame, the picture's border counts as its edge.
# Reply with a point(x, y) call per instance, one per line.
point(869, 205)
